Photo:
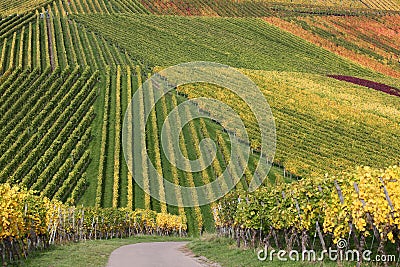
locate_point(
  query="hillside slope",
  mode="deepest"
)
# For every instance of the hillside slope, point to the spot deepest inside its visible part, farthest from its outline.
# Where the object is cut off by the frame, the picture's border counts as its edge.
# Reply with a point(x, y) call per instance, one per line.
point(262, 8)
point(323, 125)
point(369, 41)
point(244, 43)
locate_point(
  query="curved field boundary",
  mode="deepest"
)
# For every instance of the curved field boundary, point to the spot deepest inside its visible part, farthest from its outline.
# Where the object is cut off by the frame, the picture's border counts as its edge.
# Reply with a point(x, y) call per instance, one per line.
point(367, 83)
point(371, 43)
point(247, 8)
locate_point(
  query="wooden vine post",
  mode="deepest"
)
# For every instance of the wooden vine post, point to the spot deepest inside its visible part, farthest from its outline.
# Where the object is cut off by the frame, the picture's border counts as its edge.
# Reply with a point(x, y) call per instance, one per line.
point(369, 219)
point(318, 228)
point(303, 230)
point(351, 226)
point(382, 243)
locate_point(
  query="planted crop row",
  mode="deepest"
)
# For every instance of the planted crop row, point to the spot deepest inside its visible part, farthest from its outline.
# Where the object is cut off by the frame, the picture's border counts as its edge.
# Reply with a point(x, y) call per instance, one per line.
point(79, 189)
point(9, 93)
point(103, 146)
point(188, 179)
point(358, 205)
point(233, 176)
point(129, 140)
point(48, 38)
point(21, 45)
point(71, 142)
point(157, 152)
point(11, 7)
point(117, 144)
point(34, 129)
point(231, 8)
point(13, 50)
point(3, 55)
point(58, 128)
point(23, 125)
point(142, 145)
point(45, 128)
point(170, 150)
point(197, 34)
point(216, 165)
point(9, 80)
point(39, 222)
point(17, 124)
point(311, 135)
point(15, 25)
point(204, 174)
point(40, 139)
point(368, 41)
point(58, 176)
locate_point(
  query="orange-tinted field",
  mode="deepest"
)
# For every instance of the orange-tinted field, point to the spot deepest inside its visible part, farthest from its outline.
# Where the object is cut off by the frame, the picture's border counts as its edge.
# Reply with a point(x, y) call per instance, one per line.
point(372, 42)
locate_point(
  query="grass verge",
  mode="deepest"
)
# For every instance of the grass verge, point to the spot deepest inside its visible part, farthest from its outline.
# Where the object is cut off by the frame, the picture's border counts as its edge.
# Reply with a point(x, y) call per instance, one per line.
point(90, 253)
point(224, 251)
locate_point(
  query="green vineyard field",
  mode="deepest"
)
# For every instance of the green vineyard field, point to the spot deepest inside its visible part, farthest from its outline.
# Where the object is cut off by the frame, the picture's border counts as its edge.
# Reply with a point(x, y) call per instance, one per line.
point(243, 43)
point(369, 41)
point(46, 132)
point(70, 68)
point(263, 8)
point(322, 125)
point(109, 171)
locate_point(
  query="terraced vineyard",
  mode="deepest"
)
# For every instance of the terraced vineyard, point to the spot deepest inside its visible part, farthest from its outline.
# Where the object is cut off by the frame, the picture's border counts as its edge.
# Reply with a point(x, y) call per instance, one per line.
point(70, 68)
point(38, 41)
point(11, 7)
point(322, 125)
point(115, 187)
point(371, 42)
point(256, 44)
point(249, 8)
point(47, 117)
point(90, 166)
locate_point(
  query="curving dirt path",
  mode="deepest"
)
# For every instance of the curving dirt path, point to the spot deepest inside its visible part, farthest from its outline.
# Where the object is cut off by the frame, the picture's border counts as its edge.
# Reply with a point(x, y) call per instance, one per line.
point(160, 254)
